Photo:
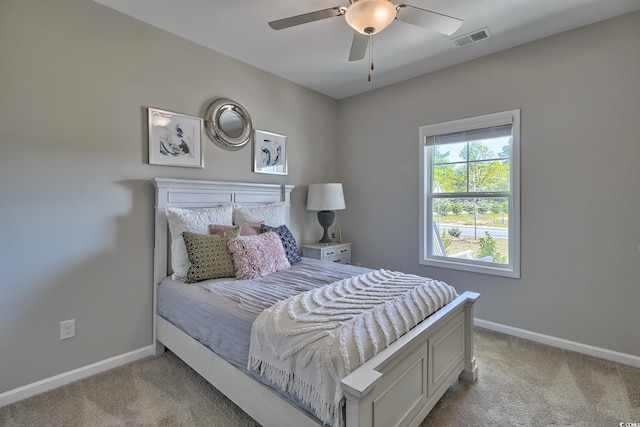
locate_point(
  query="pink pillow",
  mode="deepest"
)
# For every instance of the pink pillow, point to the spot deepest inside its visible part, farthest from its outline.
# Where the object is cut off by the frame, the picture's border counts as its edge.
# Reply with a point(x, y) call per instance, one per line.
point(248, 229)
point(256, 256)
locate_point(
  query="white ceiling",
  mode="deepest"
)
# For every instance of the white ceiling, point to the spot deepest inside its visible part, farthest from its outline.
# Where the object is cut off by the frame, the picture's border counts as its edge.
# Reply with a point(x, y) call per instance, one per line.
point(315, 54)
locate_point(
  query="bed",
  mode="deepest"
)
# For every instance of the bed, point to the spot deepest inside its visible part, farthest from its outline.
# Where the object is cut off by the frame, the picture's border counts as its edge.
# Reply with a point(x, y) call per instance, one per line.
point(396, 387)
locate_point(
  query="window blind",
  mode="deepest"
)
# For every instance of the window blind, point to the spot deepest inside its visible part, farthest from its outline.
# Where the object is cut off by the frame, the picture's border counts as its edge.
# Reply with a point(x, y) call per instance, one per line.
point(469, 135)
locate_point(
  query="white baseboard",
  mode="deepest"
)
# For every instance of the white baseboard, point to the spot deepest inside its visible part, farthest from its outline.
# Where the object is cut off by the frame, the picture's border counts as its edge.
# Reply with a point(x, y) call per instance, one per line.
point(602, 353)
point(47, 384)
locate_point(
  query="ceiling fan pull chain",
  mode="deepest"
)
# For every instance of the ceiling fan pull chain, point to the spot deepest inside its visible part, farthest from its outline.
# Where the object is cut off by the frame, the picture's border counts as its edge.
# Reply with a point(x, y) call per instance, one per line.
point(370, 55)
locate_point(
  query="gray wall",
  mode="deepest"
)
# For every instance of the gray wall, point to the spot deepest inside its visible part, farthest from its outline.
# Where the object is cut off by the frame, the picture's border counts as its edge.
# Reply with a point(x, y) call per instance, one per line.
point(579, 95)
point(76, 199)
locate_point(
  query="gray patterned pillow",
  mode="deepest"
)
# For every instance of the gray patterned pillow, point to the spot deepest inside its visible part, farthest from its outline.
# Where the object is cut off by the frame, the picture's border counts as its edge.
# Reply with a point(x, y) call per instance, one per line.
point(209, 255)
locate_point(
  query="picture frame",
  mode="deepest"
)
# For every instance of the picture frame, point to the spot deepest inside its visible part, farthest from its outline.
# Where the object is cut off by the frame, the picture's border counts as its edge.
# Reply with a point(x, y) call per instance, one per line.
point(335, 232)
point(175, 139)
point(269, 153)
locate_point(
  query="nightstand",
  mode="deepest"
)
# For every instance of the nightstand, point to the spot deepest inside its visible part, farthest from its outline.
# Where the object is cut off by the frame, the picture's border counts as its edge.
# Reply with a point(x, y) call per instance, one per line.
point(334, 252)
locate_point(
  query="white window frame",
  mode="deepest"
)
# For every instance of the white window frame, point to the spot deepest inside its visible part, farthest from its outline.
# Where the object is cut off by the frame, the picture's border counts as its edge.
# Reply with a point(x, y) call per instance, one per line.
point(426, 200)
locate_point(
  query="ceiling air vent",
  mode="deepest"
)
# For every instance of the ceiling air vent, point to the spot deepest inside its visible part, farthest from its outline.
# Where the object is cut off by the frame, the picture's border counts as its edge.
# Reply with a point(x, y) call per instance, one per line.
point(473, 37)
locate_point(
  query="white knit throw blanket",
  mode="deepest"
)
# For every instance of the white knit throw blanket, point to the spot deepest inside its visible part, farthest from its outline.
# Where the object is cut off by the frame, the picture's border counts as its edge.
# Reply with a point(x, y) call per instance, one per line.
point(307, 343)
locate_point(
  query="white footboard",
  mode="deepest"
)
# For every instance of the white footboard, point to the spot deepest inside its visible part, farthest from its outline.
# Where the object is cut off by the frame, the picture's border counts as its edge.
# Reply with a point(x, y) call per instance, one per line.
point(399, 386)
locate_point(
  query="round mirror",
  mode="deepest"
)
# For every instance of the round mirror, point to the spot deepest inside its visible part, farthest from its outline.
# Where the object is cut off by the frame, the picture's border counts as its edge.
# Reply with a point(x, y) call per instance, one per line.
point(228, 124)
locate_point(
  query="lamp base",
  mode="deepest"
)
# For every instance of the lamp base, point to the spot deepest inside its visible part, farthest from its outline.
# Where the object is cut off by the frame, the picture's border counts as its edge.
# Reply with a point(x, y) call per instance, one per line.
point(325, 218)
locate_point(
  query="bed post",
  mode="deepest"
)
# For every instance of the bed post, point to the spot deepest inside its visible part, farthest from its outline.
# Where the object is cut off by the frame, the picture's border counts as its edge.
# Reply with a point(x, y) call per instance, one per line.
point(470, 372)
point(285, 196)
point(160, 256)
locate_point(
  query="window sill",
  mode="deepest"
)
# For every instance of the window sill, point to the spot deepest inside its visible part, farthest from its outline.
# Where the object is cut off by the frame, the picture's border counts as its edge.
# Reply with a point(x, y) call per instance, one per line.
point(473, 267)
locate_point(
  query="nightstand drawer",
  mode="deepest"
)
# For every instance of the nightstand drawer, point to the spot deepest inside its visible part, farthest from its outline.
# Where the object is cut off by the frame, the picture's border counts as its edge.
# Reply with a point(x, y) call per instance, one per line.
point(336, 252)
point(341, 255)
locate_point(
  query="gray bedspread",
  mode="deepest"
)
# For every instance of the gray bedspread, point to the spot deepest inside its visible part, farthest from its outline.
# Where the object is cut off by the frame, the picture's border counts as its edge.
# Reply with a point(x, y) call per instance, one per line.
point(219, 313)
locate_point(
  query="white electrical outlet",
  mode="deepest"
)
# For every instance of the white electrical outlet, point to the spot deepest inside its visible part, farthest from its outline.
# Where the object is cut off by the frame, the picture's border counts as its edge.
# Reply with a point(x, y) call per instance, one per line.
point(68, 329)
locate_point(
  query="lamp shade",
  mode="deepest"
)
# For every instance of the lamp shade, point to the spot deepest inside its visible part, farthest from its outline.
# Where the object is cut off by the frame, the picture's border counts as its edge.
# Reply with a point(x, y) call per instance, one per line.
point(325, 197)
point(370, 16)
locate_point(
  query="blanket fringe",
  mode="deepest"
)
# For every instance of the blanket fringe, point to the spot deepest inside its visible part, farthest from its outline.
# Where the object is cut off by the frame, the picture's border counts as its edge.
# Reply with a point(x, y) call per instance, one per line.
point(328, 412)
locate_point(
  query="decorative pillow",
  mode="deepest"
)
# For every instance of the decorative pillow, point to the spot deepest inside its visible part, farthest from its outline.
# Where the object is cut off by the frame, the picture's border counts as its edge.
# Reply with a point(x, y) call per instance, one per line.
point(248, 229)
point(273, 214)
point(255, 256)
point(288, 241)
point(209, 255)
point(195, 221)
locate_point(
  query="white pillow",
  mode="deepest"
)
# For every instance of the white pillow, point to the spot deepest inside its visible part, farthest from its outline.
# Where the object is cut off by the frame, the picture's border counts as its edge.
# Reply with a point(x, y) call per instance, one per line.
point(273, 214)
point(195, 221)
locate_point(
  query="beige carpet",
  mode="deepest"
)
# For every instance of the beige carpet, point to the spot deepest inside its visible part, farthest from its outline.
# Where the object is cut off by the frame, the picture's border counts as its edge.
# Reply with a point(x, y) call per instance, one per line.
point(520, 383)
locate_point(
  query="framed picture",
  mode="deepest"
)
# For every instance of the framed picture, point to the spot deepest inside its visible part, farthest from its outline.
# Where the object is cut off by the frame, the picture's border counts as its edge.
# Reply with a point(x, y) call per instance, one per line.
point(335, 232)
point(175, 139)
point(269, 153)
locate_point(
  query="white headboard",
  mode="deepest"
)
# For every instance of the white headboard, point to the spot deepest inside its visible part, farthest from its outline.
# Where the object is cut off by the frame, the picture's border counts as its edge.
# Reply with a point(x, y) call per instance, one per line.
point(186, 193)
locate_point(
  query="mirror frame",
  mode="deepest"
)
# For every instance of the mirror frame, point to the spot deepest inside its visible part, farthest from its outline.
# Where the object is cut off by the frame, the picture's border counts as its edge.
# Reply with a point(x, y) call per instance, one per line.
point(213, 127)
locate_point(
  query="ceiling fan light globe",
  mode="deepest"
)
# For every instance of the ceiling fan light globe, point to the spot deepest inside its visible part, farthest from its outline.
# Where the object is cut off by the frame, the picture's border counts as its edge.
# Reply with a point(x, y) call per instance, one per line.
point(362, 15)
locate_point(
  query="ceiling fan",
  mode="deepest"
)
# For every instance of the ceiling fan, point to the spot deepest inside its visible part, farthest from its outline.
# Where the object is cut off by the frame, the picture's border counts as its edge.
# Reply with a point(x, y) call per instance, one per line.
point(368, 17)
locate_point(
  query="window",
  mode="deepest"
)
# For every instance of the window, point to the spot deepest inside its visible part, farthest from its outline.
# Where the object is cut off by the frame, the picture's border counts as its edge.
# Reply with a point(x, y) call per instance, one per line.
point(469, 194)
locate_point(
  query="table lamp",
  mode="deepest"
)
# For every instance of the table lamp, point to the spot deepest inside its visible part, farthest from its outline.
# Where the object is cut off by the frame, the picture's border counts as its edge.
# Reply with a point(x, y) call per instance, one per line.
point(325, 198)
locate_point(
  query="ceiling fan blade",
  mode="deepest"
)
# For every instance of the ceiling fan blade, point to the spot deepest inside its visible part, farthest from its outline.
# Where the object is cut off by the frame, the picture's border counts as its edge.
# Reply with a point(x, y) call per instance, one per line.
point(292, 21)
point(358, 46)
point(431, 20)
